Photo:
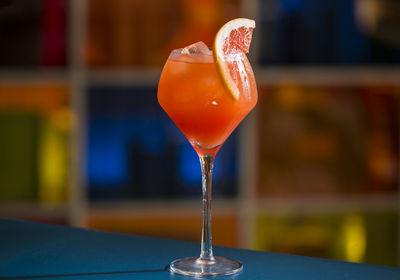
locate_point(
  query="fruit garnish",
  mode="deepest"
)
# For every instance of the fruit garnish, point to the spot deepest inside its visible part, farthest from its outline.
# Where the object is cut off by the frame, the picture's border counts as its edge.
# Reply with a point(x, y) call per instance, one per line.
point(231, 44)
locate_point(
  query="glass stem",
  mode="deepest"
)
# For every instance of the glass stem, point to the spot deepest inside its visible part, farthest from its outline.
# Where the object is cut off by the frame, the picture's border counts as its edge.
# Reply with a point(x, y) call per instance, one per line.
point(207, 164)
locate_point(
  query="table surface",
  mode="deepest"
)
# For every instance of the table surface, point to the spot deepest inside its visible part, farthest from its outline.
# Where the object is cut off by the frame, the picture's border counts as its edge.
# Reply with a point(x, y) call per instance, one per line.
point(39, 251)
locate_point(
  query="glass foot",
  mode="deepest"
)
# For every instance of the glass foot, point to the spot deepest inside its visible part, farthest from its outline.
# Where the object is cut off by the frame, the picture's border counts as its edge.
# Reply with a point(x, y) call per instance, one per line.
point(201, 268)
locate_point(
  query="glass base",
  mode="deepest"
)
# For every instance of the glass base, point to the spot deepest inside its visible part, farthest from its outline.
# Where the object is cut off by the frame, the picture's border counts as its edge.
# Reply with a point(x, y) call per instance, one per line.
point(201, 268)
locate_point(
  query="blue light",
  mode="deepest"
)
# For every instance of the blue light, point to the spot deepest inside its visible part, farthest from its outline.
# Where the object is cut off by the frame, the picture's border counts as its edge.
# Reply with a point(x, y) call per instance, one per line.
point(107, 161)
point(189, 170)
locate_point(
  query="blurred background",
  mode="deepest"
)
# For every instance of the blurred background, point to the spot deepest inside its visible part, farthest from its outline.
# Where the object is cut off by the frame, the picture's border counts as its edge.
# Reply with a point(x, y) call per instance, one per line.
point(314, 170)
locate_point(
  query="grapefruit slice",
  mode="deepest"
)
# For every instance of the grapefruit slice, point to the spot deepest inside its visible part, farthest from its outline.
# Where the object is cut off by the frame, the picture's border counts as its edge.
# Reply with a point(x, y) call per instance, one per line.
point(231, 44)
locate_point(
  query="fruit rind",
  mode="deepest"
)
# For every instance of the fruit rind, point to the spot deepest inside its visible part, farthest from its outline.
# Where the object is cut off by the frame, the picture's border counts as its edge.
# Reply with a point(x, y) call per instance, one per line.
point(223, 59)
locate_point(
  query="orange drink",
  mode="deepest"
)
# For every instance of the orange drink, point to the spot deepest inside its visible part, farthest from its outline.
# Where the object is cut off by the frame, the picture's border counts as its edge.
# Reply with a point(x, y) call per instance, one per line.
point(207, 95)
point(194, 97)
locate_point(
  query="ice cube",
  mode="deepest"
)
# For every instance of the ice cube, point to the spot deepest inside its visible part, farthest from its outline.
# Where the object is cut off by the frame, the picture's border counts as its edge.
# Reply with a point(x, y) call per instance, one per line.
point(197, 52)
point(197, 48)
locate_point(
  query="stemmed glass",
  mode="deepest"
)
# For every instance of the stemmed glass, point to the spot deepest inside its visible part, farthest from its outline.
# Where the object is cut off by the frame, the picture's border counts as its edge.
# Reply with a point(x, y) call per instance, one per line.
point(192, 93)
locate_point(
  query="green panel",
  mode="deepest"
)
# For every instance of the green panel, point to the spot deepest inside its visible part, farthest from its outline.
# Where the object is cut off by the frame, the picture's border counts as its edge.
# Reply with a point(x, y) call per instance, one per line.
point(356, 237)
point(18, 156)
point(383, 233)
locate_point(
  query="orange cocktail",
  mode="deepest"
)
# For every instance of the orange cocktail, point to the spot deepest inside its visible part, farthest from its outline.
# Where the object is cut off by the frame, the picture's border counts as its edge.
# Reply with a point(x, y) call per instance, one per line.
point(207, 95)
point(192, 94)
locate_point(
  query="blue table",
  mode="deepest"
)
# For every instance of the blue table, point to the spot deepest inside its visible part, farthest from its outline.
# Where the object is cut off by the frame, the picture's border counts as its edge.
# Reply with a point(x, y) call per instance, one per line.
point(38, 251)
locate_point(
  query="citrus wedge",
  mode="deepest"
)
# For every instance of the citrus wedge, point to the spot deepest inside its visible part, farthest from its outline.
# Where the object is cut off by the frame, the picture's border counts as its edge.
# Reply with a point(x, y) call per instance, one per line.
point(231, 44)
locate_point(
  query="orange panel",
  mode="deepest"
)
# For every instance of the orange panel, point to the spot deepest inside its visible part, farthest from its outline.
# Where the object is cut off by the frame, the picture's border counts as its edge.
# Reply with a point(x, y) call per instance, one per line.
point(182, 228)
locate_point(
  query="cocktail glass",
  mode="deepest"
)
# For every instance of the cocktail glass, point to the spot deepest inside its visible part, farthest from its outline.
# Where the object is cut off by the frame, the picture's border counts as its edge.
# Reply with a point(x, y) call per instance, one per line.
point(193, 95)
